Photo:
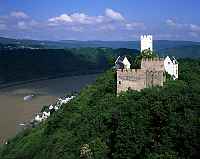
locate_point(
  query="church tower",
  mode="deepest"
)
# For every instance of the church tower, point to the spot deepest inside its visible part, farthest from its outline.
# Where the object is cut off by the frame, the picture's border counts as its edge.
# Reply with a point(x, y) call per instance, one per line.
point(146, 42)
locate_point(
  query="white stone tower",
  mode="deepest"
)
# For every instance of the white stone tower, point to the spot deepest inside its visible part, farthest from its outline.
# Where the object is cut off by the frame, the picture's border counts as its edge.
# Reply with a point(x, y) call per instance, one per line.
point(146, 42)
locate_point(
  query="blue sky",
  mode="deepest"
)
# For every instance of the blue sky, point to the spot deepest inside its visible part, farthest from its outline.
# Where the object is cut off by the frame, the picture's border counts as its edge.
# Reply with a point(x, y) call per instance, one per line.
point(100, 19)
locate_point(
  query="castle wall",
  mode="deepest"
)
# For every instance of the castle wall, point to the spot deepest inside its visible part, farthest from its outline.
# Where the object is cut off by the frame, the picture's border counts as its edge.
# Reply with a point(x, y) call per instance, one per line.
point(134, 79)
point(153, 64)
point(154, 78)
point(151, 74)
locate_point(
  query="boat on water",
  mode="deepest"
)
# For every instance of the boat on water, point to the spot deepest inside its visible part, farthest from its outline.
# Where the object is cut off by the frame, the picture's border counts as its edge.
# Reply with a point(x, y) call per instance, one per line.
point(28, 97)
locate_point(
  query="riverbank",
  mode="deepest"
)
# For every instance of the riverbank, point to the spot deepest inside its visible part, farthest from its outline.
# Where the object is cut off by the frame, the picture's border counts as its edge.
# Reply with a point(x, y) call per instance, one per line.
point(15, 110)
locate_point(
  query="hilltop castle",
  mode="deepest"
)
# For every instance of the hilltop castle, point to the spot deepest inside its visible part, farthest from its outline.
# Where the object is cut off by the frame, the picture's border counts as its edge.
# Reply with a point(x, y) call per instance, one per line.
point(151, 73)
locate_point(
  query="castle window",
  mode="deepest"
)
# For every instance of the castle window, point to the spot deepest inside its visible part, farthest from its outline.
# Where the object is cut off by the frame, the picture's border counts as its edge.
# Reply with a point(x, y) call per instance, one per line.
point(120, 82)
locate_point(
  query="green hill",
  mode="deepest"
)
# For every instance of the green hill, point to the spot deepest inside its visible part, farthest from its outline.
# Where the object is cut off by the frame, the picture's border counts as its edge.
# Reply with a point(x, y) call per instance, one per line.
point(154, 123)
point(192, 51)
point(27, 64)
point(158, 44)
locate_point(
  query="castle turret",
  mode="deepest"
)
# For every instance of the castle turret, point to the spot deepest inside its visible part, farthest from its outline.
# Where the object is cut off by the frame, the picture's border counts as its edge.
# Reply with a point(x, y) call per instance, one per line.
point(146, 42)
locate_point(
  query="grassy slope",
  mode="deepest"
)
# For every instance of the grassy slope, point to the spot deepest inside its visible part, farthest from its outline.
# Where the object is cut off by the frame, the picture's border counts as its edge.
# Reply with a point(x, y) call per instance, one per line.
point(153, 123)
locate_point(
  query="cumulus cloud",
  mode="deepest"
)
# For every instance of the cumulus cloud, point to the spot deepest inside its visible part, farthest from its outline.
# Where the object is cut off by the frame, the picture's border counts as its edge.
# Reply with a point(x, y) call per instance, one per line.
point(170, 22)
point(19, 14)
point(78, 24)
point(22, 25)
point(194, 28)
point(75, 18)
point(114, 15)
point(134, 25)
point(111, 20)
point(184, 29)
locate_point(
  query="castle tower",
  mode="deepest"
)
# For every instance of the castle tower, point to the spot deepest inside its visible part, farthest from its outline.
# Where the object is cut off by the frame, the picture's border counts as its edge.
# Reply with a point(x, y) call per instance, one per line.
point(146, 42)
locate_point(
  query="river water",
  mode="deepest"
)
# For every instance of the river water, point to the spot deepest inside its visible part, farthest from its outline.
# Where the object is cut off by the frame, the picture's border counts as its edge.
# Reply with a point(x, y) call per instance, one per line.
point(14, 110)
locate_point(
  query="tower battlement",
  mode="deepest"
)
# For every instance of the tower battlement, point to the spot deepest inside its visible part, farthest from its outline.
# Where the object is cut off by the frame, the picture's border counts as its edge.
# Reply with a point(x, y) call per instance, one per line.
point(146, 42)
point(146, 37)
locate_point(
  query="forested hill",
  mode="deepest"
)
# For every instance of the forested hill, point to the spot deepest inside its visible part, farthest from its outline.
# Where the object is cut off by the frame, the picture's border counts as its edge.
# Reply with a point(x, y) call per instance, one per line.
point(154, 123)
point(192, 51)
point(158, 44)
point(27, 64)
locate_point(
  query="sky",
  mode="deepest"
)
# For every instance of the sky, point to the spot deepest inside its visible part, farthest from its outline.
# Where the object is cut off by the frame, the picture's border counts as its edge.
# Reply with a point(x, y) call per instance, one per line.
point(107, 20)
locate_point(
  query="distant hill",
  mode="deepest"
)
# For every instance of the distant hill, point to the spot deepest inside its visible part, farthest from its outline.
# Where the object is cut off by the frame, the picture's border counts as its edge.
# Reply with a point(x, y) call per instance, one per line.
point(192, 51)
point(27, 64)
point(158, 44)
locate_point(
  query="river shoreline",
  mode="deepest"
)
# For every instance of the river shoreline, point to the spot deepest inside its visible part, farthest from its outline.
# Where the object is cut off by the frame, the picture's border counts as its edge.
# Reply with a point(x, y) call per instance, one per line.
point(15, 110)
point(11, 84)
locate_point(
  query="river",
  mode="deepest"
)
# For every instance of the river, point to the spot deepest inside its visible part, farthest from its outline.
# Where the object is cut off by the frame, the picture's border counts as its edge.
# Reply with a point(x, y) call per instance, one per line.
point(14, 110)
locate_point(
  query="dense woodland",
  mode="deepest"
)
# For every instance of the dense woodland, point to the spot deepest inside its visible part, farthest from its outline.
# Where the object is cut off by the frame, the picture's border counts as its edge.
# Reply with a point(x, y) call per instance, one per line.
point(27, 64)
point(160, 122)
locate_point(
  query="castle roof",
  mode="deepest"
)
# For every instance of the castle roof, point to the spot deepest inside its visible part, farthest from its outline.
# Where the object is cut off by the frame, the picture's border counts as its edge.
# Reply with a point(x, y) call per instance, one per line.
point(120, 62)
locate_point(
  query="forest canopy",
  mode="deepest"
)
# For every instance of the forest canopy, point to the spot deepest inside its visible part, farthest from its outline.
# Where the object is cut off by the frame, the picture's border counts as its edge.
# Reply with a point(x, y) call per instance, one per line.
point(159, 122)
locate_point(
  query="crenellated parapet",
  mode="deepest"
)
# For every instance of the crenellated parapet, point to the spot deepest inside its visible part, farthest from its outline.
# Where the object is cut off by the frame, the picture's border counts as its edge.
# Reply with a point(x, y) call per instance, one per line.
point(146, 37)
point(152, 64)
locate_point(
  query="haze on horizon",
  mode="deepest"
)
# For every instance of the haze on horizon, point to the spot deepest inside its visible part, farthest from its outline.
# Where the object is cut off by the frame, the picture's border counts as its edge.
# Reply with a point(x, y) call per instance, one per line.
point(99, 20)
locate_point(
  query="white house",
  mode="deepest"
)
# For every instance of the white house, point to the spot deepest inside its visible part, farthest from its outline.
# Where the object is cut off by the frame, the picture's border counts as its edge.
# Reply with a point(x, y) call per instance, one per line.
point(122, 63)
point(171, 67)
point(146, 42)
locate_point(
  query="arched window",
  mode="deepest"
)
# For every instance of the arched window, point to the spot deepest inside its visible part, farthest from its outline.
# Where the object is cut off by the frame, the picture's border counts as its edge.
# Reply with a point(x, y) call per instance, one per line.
point(120, 82)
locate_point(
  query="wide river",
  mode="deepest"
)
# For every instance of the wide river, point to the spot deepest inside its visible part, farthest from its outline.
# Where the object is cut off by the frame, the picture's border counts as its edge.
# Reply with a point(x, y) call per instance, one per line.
point(14, 110)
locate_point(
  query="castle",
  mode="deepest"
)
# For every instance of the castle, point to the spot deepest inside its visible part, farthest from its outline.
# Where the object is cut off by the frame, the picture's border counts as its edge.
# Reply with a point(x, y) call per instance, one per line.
point(151, 73)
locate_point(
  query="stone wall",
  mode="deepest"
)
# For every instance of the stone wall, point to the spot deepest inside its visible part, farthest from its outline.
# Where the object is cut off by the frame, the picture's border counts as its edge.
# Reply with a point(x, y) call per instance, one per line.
point(153, 64)
point(151, 74)
point(130, 79)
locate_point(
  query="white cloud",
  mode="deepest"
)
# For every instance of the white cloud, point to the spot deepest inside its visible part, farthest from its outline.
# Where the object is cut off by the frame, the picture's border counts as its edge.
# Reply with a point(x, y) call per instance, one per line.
point(22, 25)
point(114, 15)
point(19, 14)
point(170, 22)
point(194, 28)
point(107, 27)
point(134, 25)
point(62, 18)
point(111, 20)
point(189, 29)
point(76, 29)
point(75, 18)
point(194, 34)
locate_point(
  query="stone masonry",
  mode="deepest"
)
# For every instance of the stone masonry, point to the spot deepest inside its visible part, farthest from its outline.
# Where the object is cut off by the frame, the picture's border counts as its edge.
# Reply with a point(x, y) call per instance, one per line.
point(151, 74)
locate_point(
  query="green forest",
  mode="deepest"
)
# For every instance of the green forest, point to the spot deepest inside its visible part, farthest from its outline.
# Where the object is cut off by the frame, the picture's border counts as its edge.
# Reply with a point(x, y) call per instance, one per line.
point(28, 64)
point(155, 123)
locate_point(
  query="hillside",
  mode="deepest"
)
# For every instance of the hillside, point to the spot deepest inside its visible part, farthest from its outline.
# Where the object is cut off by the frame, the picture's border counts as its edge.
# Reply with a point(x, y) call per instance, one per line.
point(27, 64)
point(158, 44)
point(154, 123)
point(192, 51)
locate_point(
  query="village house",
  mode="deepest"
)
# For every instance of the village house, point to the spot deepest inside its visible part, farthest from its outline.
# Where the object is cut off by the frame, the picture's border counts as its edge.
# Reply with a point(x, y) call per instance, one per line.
point(171, 67)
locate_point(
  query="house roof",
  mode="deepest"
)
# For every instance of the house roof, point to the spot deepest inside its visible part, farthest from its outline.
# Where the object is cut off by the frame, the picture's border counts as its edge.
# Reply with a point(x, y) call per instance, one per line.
point(173, 59)
point(120, 62)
